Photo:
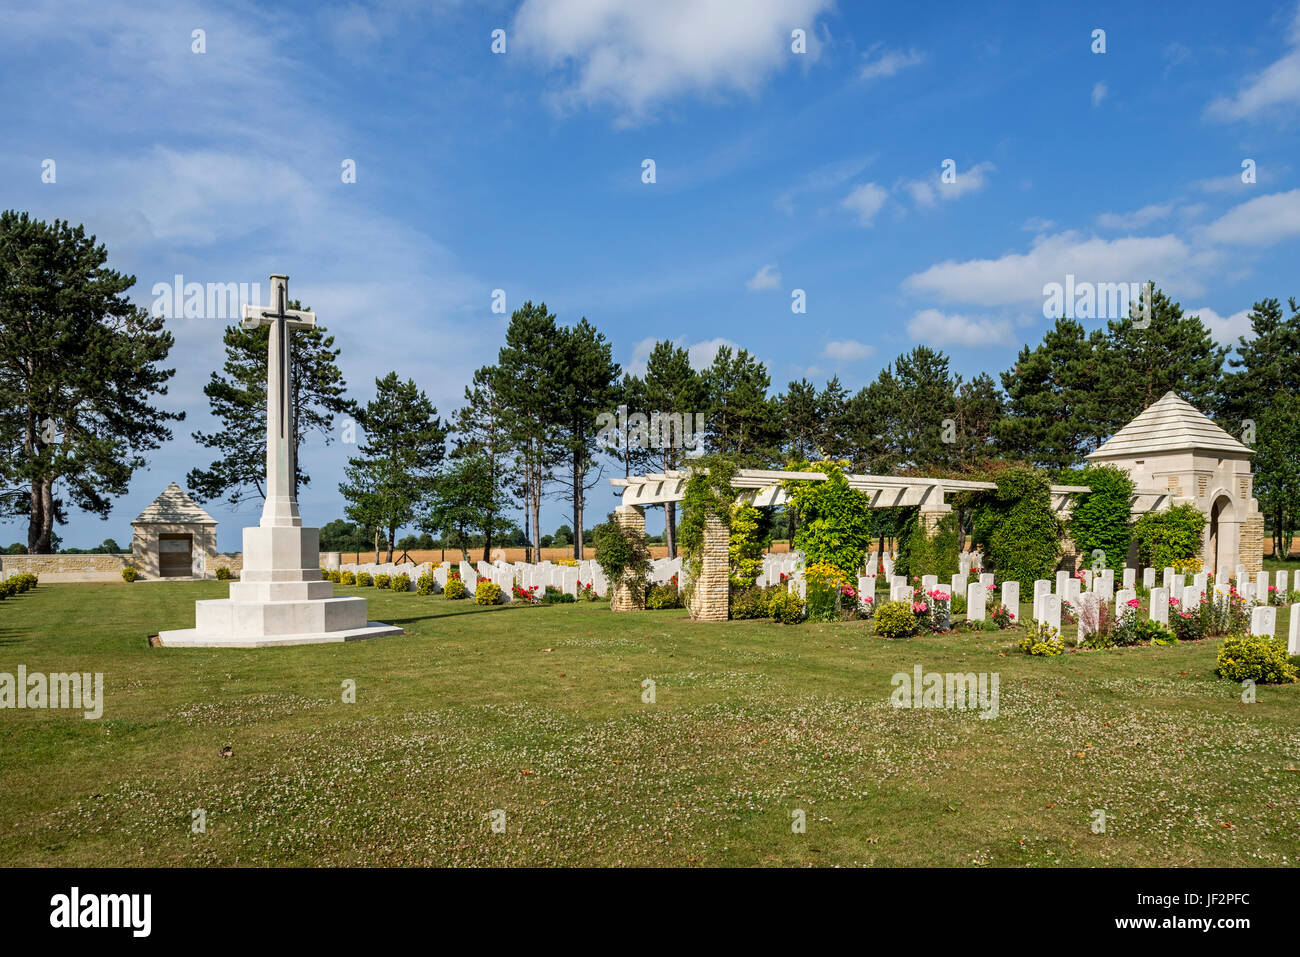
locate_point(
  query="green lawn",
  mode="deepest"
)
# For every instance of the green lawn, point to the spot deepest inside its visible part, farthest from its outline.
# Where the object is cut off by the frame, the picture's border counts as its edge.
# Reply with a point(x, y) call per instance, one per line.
point(538, 712)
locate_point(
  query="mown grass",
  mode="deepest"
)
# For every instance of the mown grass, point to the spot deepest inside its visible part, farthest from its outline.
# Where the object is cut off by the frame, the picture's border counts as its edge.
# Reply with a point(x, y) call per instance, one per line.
point(538, 712)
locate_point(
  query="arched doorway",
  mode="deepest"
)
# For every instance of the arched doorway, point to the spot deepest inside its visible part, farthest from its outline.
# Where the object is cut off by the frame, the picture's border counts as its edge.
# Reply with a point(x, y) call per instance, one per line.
point(1217, 546)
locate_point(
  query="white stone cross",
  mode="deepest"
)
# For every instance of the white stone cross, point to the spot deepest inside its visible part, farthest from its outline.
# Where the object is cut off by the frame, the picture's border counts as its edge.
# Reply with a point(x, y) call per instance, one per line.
point(281, 506)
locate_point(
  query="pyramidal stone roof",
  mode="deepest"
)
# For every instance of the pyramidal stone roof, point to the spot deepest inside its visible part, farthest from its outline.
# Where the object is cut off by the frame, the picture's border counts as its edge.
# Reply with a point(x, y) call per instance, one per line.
point(1170, 424)
point(174, 507)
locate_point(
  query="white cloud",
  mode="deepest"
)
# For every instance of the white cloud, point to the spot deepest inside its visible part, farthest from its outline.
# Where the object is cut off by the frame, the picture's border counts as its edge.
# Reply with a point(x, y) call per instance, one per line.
point(972, 180)
point(1019, 277)
point(830, 176)
point(945, 330)
point(1099, 92)
point(635, 56)
point(846, 350)
point(1036, 224)
point(701, 353)
point(865, 201)
point(1225, 329)
point(888, 63)
point(769, 277)
point(1136, 219)
point(1277, 85)
point(1261, 221)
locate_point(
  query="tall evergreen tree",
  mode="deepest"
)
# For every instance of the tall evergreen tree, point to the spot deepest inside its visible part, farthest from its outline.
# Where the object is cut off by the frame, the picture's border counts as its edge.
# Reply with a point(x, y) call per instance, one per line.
point(392, 478)
point(672, 386)
point(1277, 468)
point(801, 421)
point(1170, 352)
point(526, 384)
point(481, 424)
point(1056, 408)
point(1265, 364)
point(80, 370)
point(585, 384)
point(740, 419)
point(237, 396)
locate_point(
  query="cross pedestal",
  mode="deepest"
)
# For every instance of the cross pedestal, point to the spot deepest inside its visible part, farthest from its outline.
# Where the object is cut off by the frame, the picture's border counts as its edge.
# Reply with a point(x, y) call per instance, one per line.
point(280, 598)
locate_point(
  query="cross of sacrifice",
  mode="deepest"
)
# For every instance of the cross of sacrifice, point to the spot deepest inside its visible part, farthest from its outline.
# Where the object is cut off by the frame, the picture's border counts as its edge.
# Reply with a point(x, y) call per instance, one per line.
point(281, 498)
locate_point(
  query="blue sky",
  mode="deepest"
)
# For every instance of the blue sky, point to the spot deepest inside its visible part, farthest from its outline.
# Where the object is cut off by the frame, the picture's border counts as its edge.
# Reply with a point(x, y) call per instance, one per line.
point(775, 171)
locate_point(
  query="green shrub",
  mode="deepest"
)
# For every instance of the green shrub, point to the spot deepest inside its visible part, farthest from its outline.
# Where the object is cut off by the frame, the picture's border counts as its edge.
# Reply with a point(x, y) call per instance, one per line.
point(129, 573)
point(922, 554)
point(623, 554)
point(455, 589)
point(823, 602)
point(223, 573)
point(834, 519)
point(894, 619)
point(785, 607)
point(1100, 520)
point(1020, 533)
point(663, 596)
point(365, 580)
point(347, 578)
point(24, 582)
point(425, 585)
point(400, 583)
point(335, 575)
point(1042, 639)
point(748, 603)
point(749, 538)
point(381, 580)
point(1255, 658)
point(487, 593)
point(8, 589)
point(1170, 536)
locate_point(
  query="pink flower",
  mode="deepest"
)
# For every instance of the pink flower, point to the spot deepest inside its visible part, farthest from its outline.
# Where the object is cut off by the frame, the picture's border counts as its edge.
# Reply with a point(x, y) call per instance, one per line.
point(1132, 603)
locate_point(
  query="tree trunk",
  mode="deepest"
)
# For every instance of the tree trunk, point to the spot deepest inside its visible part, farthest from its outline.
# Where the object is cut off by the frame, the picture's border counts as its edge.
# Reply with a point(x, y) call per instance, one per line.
point(376, 546)
point(670, 534)
point(40, 524)
point(578, 475)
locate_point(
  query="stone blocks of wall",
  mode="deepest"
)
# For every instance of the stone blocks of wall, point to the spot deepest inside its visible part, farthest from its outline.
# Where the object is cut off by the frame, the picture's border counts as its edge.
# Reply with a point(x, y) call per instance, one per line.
point(1252, 542)
point(622, 597)
point(711, 594)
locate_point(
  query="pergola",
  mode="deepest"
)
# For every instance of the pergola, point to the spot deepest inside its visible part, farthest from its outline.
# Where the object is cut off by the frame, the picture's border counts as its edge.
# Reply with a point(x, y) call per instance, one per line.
point(765, 487)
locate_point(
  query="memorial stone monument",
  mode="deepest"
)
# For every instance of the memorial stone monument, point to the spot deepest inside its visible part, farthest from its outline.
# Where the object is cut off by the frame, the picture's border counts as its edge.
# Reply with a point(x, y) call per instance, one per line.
point(280, 598)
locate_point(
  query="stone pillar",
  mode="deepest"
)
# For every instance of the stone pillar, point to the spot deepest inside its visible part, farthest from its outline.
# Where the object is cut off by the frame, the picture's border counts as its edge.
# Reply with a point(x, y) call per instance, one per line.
point(1252, 540)
point(629, 517)
point(711, 597)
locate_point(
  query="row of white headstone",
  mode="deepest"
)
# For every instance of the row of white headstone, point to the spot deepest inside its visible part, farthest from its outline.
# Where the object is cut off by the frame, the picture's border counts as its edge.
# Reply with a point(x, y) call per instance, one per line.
point(540, 575)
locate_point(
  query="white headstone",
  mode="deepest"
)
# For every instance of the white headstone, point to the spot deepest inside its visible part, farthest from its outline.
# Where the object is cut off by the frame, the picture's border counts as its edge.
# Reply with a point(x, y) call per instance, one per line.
point(1168, 581)
point(1062, 583)
point(1160, 605)
point(1089, 611)
point(1130, 577)
point(1282, 583)
point(1050, 611)
point(929, 583)
point(1148, 578)
point(976, 598)
point(1041, 587)
point(1011, 598)
point(900, 593)
point(1293, 633)
point(986, 579)
point(1263, 620)
point(1191, 598)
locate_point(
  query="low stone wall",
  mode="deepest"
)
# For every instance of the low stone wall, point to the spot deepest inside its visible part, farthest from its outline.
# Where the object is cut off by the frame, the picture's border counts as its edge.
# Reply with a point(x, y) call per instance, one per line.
point(65, 568)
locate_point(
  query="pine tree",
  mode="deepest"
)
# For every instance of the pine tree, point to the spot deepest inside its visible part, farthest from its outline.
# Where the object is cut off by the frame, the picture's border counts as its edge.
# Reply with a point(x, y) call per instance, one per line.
point(740, 420)
point(526, 383)
point(481, 426)
point(80, 369)
point(585, 384)
point(392, 478)
point(672, 387)
point(1056, 408)
point(1169, 352)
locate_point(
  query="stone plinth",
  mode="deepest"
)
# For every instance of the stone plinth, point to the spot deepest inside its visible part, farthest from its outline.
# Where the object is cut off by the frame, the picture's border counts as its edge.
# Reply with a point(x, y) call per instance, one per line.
point(280, 599)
